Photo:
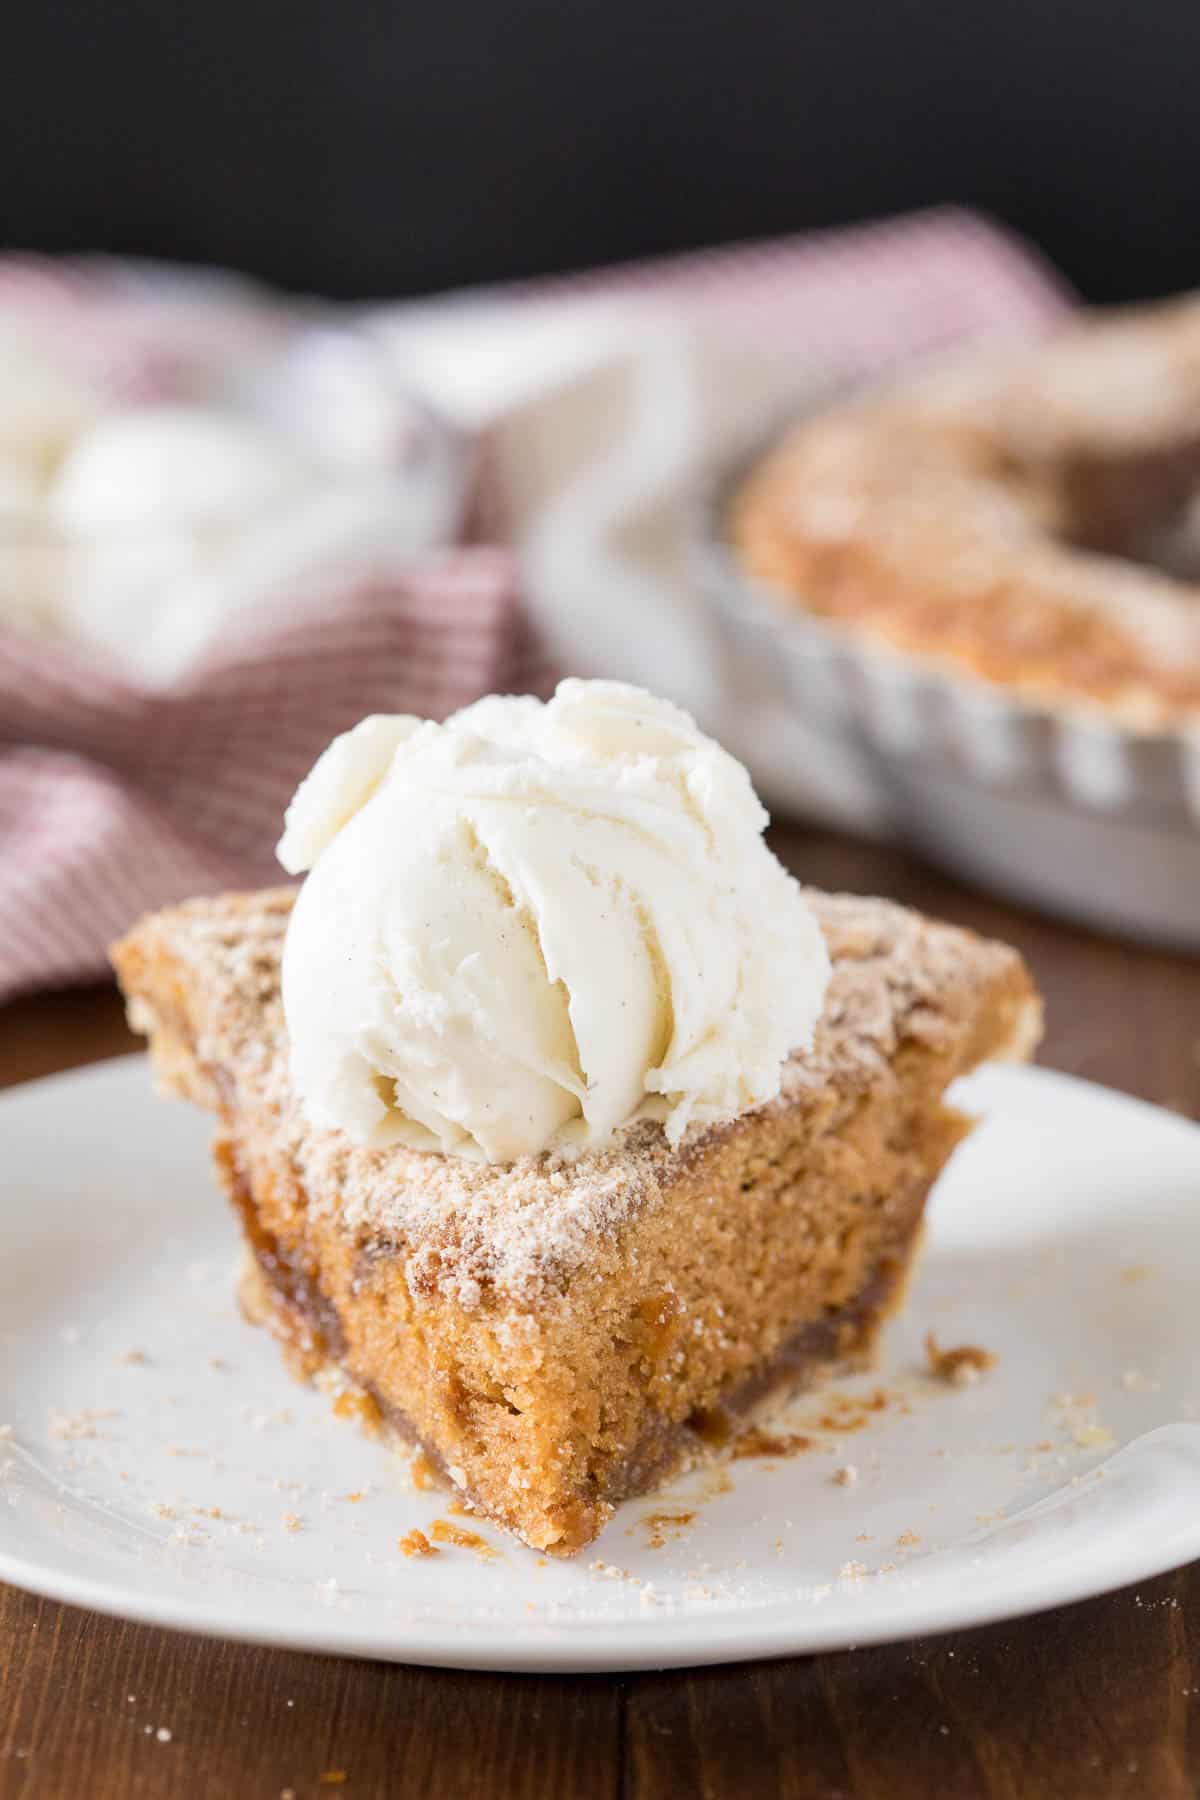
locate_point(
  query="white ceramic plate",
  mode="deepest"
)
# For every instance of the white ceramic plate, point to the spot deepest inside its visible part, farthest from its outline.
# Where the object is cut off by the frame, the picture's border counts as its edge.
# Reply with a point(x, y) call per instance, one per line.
point(156, 1453)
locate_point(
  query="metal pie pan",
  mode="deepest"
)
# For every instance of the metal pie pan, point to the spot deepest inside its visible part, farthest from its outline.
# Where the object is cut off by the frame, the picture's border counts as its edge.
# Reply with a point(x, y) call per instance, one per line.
point(1059, 808)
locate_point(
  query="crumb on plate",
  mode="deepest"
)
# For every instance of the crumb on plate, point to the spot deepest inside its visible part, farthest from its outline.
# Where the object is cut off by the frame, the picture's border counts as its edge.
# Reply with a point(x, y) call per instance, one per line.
point(415, 1543)
point(961, 1364)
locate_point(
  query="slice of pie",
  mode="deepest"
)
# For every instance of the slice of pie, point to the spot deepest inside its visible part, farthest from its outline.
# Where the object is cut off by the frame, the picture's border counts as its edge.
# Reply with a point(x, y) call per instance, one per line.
point(555, 1335)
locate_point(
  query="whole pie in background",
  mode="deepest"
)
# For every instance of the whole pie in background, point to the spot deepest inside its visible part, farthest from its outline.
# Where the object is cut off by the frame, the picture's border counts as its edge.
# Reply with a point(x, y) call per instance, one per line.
point(1026, 519)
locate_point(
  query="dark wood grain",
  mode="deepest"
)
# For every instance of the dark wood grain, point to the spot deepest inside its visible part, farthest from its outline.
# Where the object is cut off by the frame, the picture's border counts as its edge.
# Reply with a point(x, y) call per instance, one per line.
point(247, 1723)
point(1091, 1702)
point(1085, 1703)
point(49, 1032)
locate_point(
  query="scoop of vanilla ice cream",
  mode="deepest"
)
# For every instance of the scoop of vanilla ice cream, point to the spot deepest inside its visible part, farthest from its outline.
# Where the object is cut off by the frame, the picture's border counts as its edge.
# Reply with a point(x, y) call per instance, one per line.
point(179, 520)
point(152, 466)
point(153, 503)
point(530, 925)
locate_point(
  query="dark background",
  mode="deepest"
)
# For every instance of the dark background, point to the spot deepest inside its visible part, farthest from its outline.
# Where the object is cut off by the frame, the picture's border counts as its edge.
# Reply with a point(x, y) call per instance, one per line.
point(368, 150)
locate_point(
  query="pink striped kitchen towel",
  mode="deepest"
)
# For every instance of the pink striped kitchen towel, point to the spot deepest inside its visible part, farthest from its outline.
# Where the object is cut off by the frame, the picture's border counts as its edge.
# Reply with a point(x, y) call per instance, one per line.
point(116, 798)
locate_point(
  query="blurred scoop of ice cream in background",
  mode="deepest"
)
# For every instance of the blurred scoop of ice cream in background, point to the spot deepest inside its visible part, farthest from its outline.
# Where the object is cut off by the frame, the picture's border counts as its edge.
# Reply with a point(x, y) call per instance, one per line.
point(233, 524)
point(148, 502)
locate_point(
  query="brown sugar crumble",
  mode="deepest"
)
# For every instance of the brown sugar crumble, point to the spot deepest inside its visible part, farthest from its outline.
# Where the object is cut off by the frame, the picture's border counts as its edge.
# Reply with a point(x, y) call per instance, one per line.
point(1077, 1415)
point(757, 1442)
point(415, 1543)
point(292, 1522)
point(81, 1424)
point(959, 1366)
point(423, 1473)
point(443, 1532)
point(352, 1403)
point(665, 1527)
point(843, 1414)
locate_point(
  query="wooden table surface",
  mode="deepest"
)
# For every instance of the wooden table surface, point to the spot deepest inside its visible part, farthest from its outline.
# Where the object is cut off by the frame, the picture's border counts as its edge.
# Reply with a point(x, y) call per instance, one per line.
point(1090, 1701)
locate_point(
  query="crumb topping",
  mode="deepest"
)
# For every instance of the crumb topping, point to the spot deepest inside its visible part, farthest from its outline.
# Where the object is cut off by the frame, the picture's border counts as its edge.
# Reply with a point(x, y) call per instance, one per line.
point(415, 1543)
point(759, 1442)
point(960, 1366)
point(443, 1532)
point(523, 1227)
